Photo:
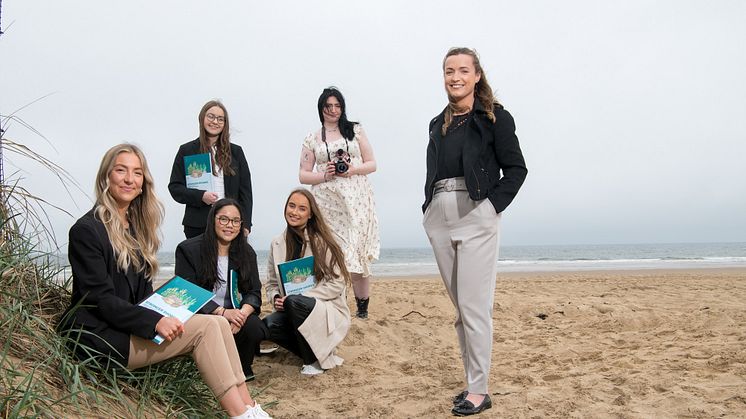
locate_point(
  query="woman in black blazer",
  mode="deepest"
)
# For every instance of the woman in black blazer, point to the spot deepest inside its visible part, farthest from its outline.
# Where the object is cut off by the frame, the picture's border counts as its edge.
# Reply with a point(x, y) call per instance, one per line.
point(231, 176)
point(112, 251)
point(221, 260)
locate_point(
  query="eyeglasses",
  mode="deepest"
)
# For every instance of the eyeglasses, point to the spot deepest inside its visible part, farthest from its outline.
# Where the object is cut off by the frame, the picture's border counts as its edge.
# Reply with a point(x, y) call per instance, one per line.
point(223, 220)
point(214, 118)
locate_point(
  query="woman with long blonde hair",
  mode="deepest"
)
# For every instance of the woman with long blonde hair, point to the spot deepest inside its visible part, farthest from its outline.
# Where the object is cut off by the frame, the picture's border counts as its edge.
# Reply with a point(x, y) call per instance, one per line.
point(112, 251)
point(314, 323)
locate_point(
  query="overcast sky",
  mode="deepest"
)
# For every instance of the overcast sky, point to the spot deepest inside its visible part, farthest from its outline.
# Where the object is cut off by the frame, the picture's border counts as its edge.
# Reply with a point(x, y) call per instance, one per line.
point(631, 115)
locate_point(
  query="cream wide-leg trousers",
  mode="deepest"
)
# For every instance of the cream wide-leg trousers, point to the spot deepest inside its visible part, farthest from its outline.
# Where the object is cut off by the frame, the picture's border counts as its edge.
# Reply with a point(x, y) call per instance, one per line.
point(464, 235)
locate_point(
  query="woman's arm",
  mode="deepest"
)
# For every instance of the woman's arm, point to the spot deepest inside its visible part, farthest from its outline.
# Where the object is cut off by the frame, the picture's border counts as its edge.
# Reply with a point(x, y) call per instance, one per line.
point(93, 282)
point(245, 197)
point(510, 159)
point(271, 286)
point(188, 262)
point(366, 151)
point(307, 176)
point(252, 300)
point(177, 185)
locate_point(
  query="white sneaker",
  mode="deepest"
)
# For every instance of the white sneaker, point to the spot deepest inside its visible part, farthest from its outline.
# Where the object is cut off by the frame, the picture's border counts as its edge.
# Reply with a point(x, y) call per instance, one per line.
point(258, 412)
point(312, 369)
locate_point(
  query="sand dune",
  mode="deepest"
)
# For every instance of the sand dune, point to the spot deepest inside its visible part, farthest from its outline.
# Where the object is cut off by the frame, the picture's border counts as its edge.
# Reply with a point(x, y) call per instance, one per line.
point(585, 344)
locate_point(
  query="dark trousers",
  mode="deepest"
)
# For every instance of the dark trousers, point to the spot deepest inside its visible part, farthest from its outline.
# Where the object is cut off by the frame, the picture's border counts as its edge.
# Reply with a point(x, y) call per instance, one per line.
point(190, 232)
point(248, 339)
point(283, 326)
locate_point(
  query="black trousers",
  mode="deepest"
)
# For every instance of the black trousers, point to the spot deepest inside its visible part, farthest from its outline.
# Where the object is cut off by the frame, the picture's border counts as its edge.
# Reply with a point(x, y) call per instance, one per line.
point(283, 326)
point(248, 339)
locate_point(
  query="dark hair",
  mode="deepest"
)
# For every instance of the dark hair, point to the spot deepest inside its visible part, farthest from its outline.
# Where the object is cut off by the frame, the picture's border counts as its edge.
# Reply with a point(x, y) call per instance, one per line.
point(321, 240)
point(346, 128)
point(482, 91)
point(223, 143)
point(239, 251)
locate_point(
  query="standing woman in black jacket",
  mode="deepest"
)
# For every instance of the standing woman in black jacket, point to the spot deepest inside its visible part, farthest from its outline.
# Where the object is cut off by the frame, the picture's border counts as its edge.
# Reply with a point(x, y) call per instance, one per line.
point(112, 251)
point(231, 176)
point(474, 170)
point(221, 260)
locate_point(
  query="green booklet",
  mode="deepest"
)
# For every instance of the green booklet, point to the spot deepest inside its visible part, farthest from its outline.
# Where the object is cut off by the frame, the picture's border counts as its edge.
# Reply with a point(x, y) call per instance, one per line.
point(296, 276)
point(198, 169)
point(177, 298)
point(236, 296)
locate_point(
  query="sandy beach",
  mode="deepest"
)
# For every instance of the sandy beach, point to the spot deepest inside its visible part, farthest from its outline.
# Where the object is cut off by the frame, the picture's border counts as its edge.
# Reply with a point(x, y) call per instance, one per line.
point(646, 343)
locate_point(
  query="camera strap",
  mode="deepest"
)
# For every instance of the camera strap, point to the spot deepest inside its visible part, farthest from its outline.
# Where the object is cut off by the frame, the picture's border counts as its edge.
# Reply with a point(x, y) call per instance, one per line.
point(323, 138)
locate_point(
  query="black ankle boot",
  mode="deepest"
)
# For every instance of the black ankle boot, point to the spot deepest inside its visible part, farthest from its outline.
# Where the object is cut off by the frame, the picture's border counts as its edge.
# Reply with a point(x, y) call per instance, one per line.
point(362, 307)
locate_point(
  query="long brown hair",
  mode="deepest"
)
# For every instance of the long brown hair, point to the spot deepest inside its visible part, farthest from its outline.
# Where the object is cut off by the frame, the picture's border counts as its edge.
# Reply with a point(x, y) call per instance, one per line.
point(223, 144)
point(321, 240)
point(145, 214)
point(482, 91)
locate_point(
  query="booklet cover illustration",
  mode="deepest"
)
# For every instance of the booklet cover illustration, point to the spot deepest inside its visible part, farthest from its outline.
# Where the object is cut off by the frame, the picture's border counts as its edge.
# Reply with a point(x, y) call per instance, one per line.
point(296, 276)
point(198, 168)
point(177, 298)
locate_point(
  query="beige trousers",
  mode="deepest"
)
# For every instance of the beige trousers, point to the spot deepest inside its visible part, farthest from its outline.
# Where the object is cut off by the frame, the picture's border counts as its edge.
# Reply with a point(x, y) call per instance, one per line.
point(210, 341)
point(464, 236)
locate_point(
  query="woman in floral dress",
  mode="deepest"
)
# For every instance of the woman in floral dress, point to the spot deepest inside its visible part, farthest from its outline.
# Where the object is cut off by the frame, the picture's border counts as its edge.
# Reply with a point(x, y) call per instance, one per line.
point(342, 158)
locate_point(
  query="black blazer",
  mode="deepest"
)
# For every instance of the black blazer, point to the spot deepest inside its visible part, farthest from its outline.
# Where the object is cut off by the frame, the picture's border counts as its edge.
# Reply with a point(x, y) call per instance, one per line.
point(490, 148)
point(104, 300)
point(237, 186)
point(189, 265)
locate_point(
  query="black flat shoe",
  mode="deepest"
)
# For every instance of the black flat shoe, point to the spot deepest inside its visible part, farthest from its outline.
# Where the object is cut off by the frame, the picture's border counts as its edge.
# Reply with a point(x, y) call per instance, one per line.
point(457, 399)
point(466, 408)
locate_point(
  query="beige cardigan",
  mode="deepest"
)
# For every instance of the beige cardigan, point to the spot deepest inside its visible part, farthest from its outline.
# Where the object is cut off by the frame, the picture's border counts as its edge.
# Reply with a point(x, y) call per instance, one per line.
point(329, 321)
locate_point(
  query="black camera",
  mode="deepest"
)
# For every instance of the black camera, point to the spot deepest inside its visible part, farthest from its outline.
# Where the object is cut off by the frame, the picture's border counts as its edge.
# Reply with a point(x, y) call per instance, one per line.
point(341, 162)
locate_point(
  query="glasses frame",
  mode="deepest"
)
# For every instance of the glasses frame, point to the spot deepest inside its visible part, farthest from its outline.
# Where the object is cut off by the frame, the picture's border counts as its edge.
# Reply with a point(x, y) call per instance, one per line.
point(214, 118)
point(224, 221)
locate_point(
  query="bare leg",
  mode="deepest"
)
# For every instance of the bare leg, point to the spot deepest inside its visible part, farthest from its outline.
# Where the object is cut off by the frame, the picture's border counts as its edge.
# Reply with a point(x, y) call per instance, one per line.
point(234, 401)
point(360, 285)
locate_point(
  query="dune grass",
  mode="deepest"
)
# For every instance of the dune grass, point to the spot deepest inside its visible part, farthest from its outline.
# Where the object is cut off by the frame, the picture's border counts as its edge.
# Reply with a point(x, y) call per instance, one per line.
point(39, 376)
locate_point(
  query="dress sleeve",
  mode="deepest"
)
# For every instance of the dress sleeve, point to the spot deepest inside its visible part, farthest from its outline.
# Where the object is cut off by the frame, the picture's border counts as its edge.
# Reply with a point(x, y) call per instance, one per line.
point(92, 278)
point(310, 141)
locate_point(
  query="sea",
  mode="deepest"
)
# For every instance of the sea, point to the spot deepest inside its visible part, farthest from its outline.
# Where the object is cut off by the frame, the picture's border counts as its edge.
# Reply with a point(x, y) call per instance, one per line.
point(402, 262)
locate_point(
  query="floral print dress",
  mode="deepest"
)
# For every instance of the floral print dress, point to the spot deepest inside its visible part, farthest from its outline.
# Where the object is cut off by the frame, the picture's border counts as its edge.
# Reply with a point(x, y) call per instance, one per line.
point(347, 204)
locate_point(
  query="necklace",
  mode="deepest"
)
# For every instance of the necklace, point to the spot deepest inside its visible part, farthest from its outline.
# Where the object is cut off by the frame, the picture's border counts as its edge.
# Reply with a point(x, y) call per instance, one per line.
point(331, 130)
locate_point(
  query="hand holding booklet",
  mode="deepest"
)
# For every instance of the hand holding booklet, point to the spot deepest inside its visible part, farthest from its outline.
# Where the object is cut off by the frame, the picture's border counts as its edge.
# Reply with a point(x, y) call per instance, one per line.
point(198, 170)
point(296, 276)
point(177, 298)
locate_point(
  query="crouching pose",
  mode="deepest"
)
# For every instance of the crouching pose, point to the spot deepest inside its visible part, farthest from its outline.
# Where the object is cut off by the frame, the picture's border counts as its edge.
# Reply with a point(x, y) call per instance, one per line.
point(112, 251)
point(222, 260)
point(312, 324)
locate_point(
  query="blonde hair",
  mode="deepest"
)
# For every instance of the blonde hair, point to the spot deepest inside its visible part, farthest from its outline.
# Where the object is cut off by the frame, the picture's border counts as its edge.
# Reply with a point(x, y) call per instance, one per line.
point(482, 91)
point(145, 214)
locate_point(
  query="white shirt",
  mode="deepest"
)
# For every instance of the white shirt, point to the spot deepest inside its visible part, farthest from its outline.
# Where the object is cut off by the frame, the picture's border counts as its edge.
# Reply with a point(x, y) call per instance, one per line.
point(222, 293)
point(218, 183)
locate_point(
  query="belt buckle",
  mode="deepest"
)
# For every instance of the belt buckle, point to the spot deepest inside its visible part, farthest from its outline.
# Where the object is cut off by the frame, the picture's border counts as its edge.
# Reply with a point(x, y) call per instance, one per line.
point(449, 186)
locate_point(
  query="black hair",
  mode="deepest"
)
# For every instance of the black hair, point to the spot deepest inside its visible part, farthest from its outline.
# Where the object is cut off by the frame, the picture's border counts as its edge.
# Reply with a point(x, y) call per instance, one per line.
point(346, 128)
point(239, 251)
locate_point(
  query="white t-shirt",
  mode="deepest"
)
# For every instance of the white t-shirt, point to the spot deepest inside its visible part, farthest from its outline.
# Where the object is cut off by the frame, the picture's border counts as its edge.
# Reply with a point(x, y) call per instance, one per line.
point(222, 293)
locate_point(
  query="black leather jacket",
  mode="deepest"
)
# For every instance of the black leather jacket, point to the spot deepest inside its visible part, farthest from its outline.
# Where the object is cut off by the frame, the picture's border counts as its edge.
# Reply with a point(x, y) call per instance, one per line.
point(490, 148)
